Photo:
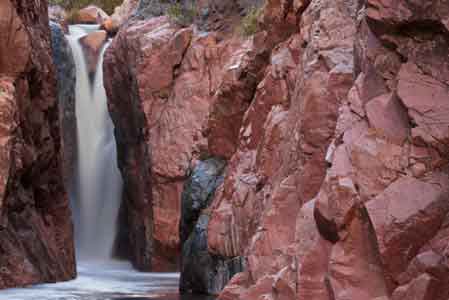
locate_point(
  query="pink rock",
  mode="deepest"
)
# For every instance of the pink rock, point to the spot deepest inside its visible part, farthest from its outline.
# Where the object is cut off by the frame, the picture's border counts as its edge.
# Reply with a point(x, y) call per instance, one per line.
point(426, 99)
point(312, 256)
point(423, 287)
point(236, 286)
point(90, 15)
point(355, 268)
point(405, 216)
point(389, 118)
point(426, 262)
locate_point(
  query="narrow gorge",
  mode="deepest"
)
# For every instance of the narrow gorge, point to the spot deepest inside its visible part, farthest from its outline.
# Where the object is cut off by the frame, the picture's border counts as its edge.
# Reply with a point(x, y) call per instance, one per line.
point(228, 150)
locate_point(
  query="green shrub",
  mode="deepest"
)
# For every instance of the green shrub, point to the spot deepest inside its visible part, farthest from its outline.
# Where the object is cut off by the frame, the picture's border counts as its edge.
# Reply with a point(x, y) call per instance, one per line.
point(107, 5)
point(250, 23)
point(181, 14)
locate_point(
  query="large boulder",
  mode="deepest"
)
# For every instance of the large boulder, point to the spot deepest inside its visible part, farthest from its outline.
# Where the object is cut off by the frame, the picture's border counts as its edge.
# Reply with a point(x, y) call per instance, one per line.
point(93, 44)
point(89, 15)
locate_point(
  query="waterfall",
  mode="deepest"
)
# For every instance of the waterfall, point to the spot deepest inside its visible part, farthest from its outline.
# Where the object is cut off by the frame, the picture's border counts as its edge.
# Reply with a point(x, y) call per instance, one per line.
point(98, 186)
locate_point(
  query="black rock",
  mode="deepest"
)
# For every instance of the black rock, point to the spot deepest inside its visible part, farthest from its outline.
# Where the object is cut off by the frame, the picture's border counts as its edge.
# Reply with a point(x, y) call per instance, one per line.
point(202, 272)
point(198, 193)
point(66, 84)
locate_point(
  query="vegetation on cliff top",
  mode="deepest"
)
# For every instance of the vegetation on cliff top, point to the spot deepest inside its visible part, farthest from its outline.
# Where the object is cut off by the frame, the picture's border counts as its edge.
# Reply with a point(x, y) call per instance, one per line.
point(74, 5)
point(183, 15)
point(250, 23)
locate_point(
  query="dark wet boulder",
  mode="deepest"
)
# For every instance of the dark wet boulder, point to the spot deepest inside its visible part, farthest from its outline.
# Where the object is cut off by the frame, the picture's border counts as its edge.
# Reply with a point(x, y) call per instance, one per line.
point(66, 83)
point(198, 193)
point(202, 272)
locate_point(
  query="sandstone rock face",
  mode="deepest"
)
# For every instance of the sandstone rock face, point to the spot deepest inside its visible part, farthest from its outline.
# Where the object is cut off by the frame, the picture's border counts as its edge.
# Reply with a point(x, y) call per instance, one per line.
point(333, 120)
point(386, 159)
point(173, 75)
point(36, 229)
point(66, 82)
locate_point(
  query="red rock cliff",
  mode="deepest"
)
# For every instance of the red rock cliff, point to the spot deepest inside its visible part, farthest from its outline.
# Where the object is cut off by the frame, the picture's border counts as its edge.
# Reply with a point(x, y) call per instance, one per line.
point(36, 241)
point(334, 121)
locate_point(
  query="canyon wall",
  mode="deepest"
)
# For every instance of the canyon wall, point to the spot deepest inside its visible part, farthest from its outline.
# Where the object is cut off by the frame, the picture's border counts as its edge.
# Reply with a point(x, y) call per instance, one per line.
point(36, 240)
point(333, 121)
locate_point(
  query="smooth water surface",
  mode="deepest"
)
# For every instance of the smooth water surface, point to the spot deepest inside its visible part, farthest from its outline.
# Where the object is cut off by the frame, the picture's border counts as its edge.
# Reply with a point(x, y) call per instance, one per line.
point(111, 281)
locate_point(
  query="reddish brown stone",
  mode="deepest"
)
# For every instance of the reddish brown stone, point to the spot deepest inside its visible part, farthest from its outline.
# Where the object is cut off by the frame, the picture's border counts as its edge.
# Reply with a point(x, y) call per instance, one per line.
point(389, 118)
point(90, 15)
point(36, 240)
point(333, 118)
point(404, 217)
point(423, 287)
point(15, 47)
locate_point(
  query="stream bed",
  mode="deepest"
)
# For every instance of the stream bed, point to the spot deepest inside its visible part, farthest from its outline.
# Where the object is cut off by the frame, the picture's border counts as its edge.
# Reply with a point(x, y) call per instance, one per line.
point(106, 281)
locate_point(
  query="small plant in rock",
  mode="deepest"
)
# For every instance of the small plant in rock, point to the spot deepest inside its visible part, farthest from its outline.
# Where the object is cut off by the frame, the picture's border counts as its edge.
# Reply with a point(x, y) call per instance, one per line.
point(182, 15)
point(107, 5)
point(250, 23)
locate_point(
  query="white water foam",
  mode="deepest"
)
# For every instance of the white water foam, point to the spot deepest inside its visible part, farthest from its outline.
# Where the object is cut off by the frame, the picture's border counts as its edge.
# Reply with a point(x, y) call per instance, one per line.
point(99, 184)
point(102, 282)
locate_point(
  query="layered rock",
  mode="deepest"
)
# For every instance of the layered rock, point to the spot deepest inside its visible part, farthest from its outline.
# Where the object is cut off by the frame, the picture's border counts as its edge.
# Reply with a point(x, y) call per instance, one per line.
point(333, 121)
point(171, 75)
point(386, 159)
point(36, 229)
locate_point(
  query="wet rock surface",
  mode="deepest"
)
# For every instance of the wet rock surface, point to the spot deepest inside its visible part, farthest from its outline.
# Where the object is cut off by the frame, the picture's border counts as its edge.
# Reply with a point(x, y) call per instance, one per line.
point(198, 193)
point(202, 272)
point(66, 82)
point(36, 230)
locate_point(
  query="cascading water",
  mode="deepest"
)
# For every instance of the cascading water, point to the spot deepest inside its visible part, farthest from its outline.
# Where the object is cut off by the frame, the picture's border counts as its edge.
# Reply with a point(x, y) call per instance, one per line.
point(97, 197)
point(95, 205)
